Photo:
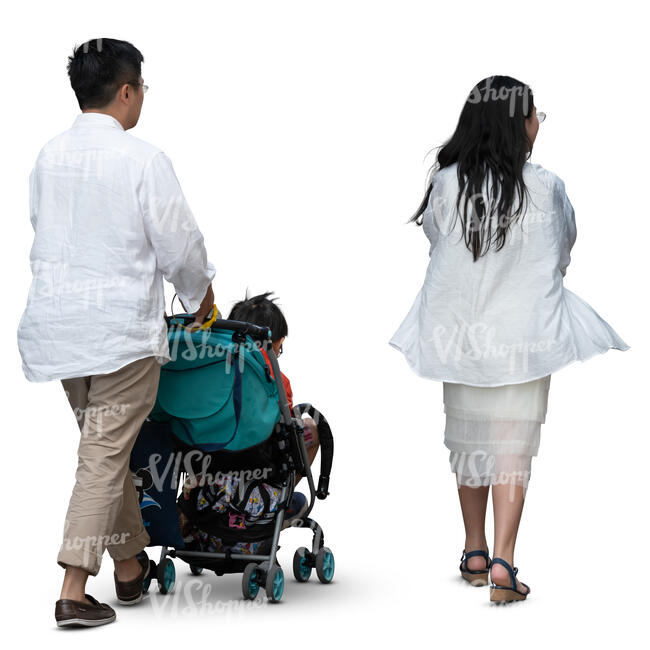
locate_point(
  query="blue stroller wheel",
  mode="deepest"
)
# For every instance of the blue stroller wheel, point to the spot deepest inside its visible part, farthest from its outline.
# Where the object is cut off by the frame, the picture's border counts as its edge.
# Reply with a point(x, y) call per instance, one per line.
point(249, 584)
point(274, 584)
point(325, 565)
point(196, 570)
point(301, 566)
point(166, 575)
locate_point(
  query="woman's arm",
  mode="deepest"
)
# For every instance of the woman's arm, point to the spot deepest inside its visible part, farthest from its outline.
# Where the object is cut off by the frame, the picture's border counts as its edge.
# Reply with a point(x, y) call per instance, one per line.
point(429, 224)
point(570, 232)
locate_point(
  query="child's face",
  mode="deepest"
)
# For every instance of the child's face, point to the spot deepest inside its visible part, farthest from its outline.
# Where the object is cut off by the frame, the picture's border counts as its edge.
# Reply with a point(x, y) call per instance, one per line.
point(277, 345)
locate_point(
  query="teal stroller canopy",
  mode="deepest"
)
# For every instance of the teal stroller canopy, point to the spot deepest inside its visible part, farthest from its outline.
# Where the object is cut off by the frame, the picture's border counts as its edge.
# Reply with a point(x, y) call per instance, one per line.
point(217, 392)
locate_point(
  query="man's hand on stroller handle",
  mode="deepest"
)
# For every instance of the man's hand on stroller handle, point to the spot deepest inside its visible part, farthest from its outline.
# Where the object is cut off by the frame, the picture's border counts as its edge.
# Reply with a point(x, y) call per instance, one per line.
point(206, 305)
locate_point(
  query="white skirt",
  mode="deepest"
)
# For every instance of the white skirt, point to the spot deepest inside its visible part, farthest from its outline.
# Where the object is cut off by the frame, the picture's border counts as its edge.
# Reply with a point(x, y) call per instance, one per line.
point(493, 432)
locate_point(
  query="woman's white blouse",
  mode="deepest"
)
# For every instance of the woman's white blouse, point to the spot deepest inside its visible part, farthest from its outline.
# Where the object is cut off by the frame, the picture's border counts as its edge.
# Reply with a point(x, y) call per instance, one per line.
point(506, 318)
point(110, 221)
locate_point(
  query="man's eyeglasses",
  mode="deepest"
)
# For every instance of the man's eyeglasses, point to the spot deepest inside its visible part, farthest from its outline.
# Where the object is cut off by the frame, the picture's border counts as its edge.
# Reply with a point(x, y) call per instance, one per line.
point(137, 83)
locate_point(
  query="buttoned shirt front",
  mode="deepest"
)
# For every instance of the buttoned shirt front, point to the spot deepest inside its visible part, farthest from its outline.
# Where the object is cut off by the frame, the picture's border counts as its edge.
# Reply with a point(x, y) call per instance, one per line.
point(110, 222)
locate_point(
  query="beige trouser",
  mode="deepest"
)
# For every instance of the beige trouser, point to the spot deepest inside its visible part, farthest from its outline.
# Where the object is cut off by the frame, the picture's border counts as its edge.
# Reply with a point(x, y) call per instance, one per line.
point(104, 512)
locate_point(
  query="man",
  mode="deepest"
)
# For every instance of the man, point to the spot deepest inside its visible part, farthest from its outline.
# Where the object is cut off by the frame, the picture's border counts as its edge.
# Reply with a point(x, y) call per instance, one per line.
point(110, 221)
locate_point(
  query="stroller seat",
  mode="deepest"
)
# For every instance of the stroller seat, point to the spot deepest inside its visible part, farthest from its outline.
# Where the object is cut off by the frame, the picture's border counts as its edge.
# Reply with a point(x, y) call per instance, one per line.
point(225, 428)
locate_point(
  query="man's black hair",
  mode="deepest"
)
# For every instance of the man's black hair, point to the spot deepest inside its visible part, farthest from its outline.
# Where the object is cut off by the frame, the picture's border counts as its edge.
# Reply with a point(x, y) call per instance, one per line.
point(99, 67)
point(261, 310)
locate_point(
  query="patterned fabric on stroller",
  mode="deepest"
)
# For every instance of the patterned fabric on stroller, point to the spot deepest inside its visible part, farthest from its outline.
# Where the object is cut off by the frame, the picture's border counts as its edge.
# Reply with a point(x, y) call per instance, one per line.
point(235, 452)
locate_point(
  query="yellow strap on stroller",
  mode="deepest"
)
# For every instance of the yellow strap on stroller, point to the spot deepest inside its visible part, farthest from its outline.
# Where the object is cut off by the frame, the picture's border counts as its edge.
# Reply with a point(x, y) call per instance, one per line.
point(215, 314)
point(208, 323)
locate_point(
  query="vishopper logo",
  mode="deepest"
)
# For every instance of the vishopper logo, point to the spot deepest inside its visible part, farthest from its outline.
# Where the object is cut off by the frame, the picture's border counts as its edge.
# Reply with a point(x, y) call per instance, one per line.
point(49, 279)
point(487, 94)
point(206, 348)
point(299, 412)
point(198, 596)
point(298, 522)
point(91, 545)
point(446, 217)
point(91, 418)
point(160, 466)
point(478, 468)
point(98, 42)
point(155, 334)
point(226, 481)
point(172, 216)
point(83, 164)
point(477, 341)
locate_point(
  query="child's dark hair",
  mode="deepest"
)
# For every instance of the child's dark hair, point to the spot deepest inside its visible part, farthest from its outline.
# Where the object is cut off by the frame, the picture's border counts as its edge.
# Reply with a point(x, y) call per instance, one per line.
point(261, 310)
point(99, 67)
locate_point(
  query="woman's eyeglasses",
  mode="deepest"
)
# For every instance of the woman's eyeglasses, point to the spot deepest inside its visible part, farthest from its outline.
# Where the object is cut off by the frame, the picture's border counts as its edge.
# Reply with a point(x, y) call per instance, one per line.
point(541, 117)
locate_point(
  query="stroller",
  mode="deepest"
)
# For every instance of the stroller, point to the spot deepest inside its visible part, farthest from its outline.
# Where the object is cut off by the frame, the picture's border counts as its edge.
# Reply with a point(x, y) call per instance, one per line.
point(221, 428)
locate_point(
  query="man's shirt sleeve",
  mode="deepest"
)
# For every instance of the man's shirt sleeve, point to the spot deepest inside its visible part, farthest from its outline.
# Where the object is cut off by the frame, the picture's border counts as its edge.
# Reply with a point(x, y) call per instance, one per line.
point(174, 233)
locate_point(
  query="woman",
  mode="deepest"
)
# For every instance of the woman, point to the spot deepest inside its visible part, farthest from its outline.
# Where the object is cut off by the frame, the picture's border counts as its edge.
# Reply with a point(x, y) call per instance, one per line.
point(493, 319)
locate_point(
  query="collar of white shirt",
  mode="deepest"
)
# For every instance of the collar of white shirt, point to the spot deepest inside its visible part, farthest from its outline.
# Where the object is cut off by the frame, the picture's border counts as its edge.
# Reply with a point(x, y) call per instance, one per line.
point(97, 119)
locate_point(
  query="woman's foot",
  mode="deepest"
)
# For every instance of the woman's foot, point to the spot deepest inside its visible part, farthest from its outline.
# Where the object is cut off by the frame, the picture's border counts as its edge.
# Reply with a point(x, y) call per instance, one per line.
point(500, 576)
point(474, 565)
point(477, 562)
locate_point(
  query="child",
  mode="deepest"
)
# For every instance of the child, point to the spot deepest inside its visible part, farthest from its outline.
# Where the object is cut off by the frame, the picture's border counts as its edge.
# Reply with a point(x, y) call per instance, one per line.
point(261, 310)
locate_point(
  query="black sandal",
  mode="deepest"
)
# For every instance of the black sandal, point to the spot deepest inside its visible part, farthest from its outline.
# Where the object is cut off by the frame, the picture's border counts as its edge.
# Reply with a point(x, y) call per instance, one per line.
point(501, 594)
point(476, 577)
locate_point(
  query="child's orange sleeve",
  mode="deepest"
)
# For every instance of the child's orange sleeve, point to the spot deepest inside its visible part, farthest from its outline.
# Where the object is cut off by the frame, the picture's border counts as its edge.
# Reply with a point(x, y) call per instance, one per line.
point(285, 381)
point(288, 391)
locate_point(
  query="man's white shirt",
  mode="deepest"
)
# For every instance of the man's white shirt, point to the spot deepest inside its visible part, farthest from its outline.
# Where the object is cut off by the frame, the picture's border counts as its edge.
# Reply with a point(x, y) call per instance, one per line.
point(110, 222)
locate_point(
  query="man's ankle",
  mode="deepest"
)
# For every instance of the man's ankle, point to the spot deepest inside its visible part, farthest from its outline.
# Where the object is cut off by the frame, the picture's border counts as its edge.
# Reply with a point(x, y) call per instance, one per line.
point(74, 584)
point(67, 594)
point(127, 570)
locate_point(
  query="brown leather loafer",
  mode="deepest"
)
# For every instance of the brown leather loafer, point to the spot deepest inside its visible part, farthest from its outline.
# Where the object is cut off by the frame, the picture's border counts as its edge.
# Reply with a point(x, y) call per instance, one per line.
point(76, 613)
point(130, 593)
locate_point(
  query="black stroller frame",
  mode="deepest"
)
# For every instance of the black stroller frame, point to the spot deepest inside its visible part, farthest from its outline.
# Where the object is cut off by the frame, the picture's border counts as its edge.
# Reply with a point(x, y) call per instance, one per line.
point(263, 570)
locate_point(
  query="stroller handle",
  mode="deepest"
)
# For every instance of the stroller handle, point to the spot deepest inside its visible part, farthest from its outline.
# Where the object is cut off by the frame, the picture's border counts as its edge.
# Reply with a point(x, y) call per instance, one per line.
point(254, 331)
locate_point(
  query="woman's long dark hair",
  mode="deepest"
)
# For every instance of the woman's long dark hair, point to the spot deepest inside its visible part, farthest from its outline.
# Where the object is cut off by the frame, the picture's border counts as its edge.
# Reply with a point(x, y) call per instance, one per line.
point(490, 144)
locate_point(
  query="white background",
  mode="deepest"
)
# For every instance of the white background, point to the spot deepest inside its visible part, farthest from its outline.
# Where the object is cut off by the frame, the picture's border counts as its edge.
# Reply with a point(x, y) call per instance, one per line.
point(299, 132)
